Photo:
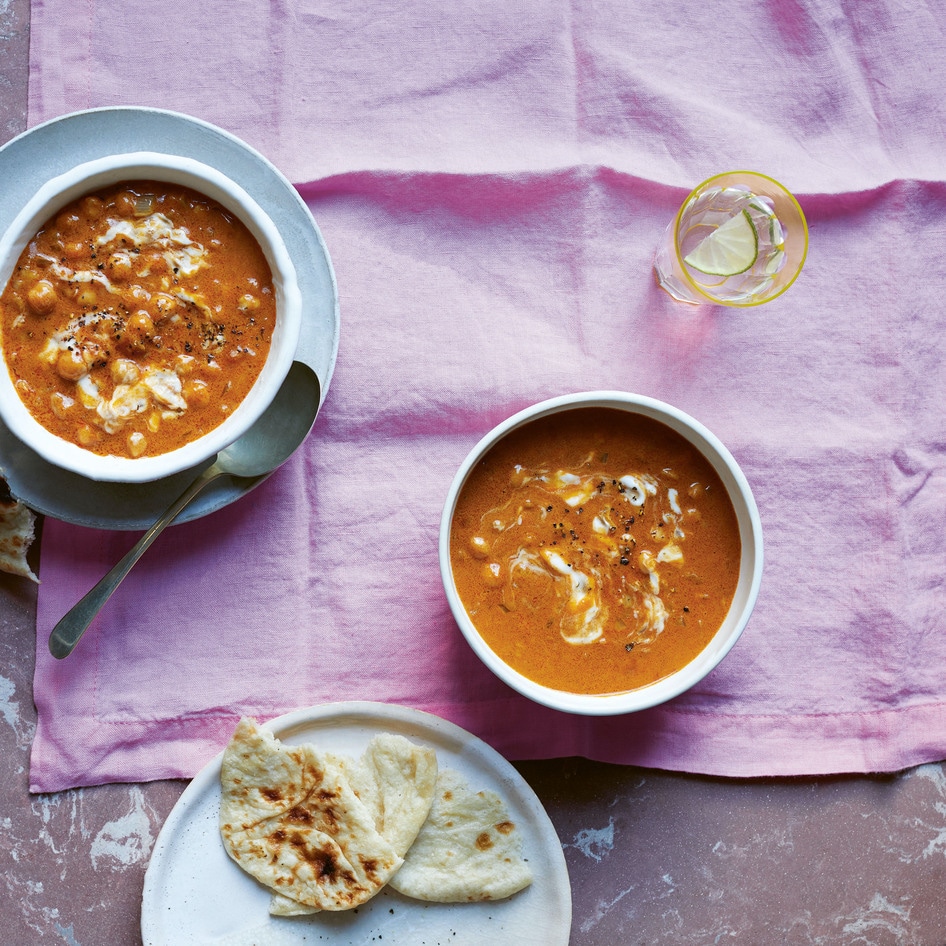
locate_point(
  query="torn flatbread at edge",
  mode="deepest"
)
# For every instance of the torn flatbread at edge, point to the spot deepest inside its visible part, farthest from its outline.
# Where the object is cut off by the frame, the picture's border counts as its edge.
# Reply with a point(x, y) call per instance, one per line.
point(469, 848)
point(395, 779)
point(17, 531)
point(290, 818)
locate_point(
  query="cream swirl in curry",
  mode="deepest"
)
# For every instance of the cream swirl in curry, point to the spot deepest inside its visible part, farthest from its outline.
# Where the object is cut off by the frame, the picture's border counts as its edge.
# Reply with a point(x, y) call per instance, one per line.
point(595, 557)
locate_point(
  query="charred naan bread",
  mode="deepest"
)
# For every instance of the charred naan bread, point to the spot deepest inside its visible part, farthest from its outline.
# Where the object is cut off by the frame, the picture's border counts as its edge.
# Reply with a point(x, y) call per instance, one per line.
point(17, 528)
point(290, 818)
point(468, 849)
point(395, 780)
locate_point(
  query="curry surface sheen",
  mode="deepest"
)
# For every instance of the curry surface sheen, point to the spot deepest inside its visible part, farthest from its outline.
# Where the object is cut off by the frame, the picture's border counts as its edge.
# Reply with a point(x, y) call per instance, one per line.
point(596, 550)
point(137, 319)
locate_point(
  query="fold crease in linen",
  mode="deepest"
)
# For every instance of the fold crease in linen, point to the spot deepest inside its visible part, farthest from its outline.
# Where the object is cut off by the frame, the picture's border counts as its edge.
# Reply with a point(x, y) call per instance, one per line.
point(492, 183)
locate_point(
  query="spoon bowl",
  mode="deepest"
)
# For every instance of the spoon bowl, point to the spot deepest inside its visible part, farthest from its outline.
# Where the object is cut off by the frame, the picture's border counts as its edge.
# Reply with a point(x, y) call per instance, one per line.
point(265, 446)
point(277, 434)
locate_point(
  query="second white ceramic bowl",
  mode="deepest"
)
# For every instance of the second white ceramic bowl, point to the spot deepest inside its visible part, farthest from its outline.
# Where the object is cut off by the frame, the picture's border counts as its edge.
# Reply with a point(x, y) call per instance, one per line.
point(750, 566)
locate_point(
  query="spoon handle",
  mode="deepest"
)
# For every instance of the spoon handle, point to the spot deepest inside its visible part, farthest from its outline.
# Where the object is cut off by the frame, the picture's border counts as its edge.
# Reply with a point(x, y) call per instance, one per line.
point(73, 624)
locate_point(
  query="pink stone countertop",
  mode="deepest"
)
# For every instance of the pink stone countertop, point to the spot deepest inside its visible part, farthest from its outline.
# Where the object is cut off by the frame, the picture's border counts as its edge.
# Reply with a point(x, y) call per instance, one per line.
point(655, 858)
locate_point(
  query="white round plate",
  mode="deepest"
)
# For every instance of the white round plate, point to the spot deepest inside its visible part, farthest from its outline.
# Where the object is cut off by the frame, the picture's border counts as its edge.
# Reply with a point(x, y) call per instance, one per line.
point(194, 893)
point(44, 151)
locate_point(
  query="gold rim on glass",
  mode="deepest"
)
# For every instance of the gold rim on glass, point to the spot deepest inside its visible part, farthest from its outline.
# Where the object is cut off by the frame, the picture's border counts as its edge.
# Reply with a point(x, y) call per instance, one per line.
point(778, 190)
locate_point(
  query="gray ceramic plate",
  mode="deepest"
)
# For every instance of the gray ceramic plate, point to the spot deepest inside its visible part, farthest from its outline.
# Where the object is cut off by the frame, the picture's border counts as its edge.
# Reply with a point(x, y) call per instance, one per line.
point(44, 151)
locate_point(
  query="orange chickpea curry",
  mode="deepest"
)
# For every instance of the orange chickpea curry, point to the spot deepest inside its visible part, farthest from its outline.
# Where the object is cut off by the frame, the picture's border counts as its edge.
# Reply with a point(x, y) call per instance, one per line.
point(595, 550)
point(137, 319)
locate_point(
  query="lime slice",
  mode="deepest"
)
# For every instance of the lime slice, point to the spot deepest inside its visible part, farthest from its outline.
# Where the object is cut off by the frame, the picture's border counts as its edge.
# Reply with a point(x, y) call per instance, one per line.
point(729, 250)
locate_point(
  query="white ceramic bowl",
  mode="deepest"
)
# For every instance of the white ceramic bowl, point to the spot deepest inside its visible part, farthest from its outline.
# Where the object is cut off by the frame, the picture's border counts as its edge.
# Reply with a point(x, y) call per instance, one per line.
point(91, 176)
point(750, 567)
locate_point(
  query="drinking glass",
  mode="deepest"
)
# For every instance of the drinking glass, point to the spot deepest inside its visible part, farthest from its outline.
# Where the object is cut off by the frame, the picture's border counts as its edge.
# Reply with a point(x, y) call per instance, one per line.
point(739, 239)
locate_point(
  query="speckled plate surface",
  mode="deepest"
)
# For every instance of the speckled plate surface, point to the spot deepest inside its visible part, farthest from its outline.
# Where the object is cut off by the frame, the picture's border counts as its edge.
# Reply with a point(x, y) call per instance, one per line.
point(28, 161)
point(194, 893)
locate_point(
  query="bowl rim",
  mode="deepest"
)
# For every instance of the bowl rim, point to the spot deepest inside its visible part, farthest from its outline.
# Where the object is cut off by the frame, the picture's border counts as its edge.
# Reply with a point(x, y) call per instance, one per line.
point(747, 590)
point(86, 177)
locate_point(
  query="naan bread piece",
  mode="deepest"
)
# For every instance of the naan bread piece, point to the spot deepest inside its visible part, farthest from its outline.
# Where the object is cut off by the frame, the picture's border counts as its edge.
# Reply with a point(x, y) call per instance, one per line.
point(395, 779)
point(282, 905)
point(17, 530)
point(468, 849)
point(289, 817)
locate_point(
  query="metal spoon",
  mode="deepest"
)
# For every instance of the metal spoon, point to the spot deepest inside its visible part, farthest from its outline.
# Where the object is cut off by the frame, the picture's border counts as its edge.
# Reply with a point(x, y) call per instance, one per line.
point(264, 447)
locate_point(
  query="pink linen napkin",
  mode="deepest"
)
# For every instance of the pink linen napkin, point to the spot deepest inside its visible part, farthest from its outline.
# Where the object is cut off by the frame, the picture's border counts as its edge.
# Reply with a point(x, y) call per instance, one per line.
point(491, 182)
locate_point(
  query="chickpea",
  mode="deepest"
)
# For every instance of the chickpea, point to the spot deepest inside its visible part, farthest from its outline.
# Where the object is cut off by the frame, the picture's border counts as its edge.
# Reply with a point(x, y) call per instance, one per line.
point(492, 575)
point(118, 267)
point(42, 297)
point(26, 276)
point(92, 207)
point(196, 393)
point(137, 443)
point(60, 404)
point(86, 435)
point(185, 364)
point(75, 250)
point(139, 327)
point(88, 298)
point(248, 303)
point(68, 222)
point(93, 353)
point(164, 304)
point(124, 371)
point(125, 203)
point(70, 364)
